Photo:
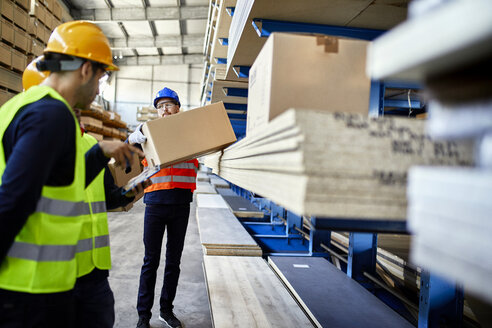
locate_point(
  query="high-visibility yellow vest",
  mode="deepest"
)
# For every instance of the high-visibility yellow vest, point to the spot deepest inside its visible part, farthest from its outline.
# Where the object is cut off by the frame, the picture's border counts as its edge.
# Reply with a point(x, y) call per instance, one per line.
point(93, 246)
point(42, 257)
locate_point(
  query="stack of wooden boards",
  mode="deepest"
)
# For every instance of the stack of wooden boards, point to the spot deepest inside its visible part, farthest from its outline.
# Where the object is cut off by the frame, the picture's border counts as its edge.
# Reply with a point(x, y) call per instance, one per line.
point(449, 213)
point(243, 290)
point(335, 165)
point(25, 27)
point(214, 86)
point(103, 124)
point(146, 113)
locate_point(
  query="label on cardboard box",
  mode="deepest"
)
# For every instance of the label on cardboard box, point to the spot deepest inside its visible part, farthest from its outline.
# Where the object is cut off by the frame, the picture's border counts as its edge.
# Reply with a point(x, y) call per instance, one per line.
point(187, 135)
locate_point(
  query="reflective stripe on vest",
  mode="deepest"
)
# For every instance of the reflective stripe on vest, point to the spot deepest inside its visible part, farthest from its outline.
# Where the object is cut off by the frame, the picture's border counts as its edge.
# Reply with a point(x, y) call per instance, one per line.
point(42, 257)
point(85, 245)
point(41, 253)
point(98, 207)
point(62, 208)
point(177, 178)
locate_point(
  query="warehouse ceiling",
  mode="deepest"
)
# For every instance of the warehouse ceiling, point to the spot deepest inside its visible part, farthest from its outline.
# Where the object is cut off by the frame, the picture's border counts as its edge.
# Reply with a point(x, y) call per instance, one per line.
point(148, 32)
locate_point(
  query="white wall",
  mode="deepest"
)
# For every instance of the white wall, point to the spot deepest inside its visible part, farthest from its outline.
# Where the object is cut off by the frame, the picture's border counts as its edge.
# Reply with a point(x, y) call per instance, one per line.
point(136, 86)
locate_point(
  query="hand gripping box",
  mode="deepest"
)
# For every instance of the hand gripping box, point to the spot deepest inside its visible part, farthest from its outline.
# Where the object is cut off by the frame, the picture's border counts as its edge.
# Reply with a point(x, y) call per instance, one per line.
point(187, 135)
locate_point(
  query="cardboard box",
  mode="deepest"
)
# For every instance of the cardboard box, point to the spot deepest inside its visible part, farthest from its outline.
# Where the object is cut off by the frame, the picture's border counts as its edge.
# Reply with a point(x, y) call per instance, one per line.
point(5, 54)
point(120, 177)
point(306, 71)
point(5, 96)
point(10, 80)
point(7, 31)
point(36, 47)
point(187, 135)
point(26, 4)
point(21, 39)
point(38, 11)
point(7, 9)
point(87, 120)
point(21, 18)
point(19, 60)
point(99, 137)
point(57, 10)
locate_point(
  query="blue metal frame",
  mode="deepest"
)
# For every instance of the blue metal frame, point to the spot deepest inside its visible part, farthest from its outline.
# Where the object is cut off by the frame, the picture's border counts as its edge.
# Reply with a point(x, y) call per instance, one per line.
point(235, 92)
point(236, 106)
point(362, 255)
point(441, 302)
point(241, 71)
point(376, 99)
point(220, 60)
point(230, 10)
point(343, 224)
point(234, 116)
point(293, 221)
point(401, 103)
point(264, 27)
point(224, 41)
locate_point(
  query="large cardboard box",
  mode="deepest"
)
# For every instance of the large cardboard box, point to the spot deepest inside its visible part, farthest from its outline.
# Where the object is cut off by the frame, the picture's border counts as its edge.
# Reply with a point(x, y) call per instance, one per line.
point(7, 31)
point(5, 54)
point(7, 9)
point(121, 178)
point(187, 135)
point(306, 71)
point(21, 18)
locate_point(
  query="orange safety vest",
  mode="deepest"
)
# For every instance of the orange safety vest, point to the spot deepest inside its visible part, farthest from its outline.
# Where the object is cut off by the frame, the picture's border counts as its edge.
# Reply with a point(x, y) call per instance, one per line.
point(181, 175)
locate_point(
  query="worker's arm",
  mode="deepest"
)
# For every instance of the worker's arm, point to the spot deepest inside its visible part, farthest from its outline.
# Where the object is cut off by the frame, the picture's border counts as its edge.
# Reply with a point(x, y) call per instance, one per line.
point(39, 150)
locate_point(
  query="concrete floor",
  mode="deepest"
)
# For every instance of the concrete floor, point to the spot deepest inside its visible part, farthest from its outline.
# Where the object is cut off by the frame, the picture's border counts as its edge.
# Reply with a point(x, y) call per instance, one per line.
point(191, 305)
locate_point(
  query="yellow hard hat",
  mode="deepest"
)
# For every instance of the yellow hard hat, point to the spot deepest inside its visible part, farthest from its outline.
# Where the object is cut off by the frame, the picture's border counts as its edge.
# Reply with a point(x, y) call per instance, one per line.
point(82, 39)
point(32, 76)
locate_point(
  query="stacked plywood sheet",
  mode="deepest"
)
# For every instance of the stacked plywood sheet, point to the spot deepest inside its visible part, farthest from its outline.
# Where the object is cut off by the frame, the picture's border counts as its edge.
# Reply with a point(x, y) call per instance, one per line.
point(244, 292)
point(202, 176)
point(204, 188)
point(222, 234)
point(450, 214)
point(335, 165)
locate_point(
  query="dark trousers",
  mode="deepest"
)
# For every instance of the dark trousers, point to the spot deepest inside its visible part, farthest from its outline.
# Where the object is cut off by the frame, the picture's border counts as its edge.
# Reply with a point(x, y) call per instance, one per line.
point(94, 302)
point(157, 218)
point(24, 310)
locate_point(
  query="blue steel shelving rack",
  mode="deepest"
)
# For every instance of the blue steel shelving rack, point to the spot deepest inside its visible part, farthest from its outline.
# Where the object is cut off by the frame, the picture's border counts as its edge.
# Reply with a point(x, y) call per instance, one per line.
point(282, 234)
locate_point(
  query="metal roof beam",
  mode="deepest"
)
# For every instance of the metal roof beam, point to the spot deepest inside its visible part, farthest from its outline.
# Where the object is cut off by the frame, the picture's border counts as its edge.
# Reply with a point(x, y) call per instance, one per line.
point(160, 60)
point(101, 15)
point(158, 41)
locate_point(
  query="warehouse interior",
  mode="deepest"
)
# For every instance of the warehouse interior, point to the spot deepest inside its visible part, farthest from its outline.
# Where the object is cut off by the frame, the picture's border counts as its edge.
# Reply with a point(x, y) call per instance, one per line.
point(344, 149)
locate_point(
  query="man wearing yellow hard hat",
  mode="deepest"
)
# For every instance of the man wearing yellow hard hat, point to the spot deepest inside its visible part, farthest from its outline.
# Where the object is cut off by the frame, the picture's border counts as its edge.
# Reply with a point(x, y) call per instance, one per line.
point(44, 172)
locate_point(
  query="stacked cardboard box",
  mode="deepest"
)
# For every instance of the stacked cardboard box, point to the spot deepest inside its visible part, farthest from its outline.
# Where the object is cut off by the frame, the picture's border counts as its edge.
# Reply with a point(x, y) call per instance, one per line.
point(25, 27)
point(104, 124)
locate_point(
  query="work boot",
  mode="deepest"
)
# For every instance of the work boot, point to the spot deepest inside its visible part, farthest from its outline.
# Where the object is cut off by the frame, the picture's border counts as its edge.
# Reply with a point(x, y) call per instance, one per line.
point(143, 322)
point(170, 319)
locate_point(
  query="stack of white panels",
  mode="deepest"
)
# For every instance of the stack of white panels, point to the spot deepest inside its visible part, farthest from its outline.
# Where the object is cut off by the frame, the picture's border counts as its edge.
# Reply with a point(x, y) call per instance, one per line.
point(450, 213)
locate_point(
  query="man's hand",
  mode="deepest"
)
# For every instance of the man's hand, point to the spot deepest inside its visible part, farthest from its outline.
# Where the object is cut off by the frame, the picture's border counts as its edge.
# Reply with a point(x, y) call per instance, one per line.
point(138, 189)
point(137, 136)
point(120, 151)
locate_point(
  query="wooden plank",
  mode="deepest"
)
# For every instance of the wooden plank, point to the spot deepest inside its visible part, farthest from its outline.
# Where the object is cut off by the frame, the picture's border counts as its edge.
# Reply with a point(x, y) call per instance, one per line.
point(350, 304)
point(220, 228)
point(244, 292)
point(233, 251)
point(226, 192)
point(211, 201)
point(242, 208)
point(204, 188)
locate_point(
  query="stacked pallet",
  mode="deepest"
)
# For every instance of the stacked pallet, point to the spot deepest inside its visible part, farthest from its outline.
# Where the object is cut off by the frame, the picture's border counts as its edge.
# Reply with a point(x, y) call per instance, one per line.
point(335, 165)
point(25, 27)
point(103, 124)
point(146, 113)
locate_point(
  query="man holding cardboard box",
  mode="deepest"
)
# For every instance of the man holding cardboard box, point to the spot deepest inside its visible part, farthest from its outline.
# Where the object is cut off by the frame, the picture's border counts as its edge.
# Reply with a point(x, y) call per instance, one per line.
point(44, 176)
point(167, 206)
